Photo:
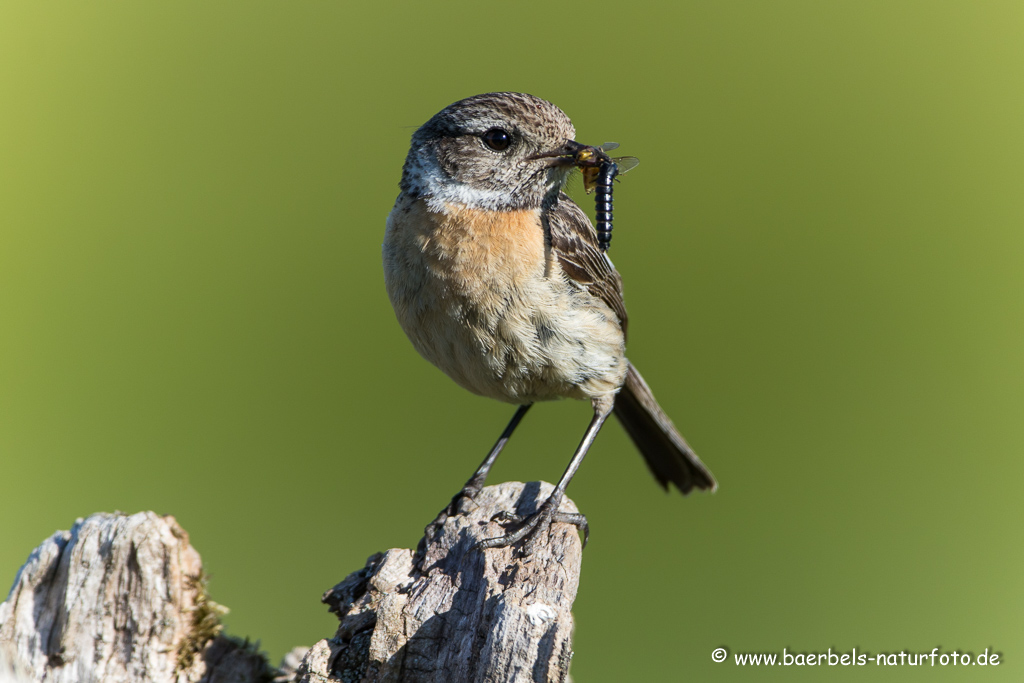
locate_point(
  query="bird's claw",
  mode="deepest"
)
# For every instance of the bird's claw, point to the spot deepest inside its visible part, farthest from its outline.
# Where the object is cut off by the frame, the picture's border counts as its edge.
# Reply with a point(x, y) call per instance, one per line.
point(507, 517)
point(576, 519)
point(532, 526)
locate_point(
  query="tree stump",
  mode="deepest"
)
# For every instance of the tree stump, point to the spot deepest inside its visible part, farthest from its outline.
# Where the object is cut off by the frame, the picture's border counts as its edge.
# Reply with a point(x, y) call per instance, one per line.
point(451, 613)
point(116, 599)
point(122, 598)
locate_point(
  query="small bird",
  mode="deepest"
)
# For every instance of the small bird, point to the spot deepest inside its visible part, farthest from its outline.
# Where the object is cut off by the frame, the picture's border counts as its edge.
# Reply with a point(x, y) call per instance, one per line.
point(497, 278)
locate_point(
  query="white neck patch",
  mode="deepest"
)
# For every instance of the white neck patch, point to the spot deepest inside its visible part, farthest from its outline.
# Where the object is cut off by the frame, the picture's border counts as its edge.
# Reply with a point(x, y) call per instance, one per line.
point(438, 189)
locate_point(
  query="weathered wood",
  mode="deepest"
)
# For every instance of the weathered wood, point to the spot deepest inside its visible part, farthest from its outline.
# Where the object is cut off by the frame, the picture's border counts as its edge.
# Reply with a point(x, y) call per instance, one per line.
point(454, 614)
point(119, 598)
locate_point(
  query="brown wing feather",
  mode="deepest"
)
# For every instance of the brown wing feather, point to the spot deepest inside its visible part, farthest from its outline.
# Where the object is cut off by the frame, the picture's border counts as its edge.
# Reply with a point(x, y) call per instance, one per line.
point(574, 241)
point(670, 458)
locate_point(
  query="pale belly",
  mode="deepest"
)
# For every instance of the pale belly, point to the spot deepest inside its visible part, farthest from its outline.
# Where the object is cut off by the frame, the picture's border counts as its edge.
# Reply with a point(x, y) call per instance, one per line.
point(484, 302)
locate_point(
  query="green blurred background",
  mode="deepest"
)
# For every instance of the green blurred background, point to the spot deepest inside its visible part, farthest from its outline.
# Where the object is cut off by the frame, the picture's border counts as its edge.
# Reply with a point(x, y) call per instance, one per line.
point(824, 264)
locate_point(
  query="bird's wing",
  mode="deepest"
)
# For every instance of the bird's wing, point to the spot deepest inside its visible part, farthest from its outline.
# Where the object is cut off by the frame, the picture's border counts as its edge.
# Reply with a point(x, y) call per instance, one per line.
point(574, 242)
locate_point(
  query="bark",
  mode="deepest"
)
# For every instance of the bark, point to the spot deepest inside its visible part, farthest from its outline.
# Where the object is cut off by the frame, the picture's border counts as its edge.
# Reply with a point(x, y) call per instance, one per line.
point(122, 598)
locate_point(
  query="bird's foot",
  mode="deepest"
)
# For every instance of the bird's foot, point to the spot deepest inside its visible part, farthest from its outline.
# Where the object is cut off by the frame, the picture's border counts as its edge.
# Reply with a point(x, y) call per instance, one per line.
point(532, 526)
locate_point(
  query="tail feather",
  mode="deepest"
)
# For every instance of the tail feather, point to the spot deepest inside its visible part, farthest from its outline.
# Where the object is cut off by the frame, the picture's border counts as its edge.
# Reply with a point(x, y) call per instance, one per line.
point(666, 452)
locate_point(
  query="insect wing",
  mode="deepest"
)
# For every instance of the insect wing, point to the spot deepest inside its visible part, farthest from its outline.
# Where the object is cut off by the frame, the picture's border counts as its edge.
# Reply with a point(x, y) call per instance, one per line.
point(626, 163)
point(590, 173)
point(609, 146)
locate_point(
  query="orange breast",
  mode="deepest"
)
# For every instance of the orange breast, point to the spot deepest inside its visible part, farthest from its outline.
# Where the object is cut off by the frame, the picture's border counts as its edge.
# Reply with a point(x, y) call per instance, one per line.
point(471, 244)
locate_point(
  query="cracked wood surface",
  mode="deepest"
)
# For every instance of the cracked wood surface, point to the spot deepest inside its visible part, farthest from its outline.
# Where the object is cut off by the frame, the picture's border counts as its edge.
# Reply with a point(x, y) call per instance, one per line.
point(120, 598)
point(450, 613)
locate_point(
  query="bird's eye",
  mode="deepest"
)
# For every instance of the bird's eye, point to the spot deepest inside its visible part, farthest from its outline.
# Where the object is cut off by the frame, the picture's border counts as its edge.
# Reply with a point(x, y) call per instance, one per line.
point(497, 139)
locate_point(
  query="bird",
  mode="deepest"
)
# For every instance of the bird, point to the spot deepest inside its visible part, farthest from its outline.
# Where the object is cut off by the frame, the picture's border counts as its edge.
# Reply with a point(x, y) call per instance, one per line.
point(497, 278)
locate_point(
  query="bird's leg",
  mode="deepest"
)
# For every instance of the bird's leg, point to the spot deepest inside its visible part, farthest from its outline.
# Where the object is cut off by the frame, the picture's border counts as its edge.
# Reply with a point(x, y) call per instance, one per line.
point(476, 482)
point(539, 522)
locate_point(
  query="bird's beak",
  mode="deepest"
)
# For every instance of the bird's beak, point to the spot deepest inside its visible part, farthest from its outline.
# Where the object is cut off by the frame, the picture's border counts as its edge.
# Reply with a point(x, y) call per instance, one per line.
point(572, 153)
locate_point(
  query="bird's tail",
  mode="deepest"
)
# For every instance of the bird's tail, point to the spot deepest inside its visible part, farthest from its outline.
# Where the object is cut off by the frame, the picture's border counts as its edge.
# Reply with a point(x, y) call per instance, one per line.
point(664, 449)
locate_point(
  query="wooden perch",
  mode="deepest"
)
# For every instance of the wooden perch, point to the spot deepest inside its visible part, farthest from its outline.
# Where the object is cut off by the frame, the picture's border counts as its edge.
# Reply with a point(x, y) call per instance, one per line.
point(453, 613)
point(122, 598)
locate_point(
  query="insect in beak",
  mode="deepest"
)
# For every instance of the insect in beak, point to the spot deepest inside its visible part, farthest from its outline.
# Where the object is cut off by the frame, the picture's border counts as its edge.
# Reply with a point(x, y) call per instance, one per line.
point(599, 172)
